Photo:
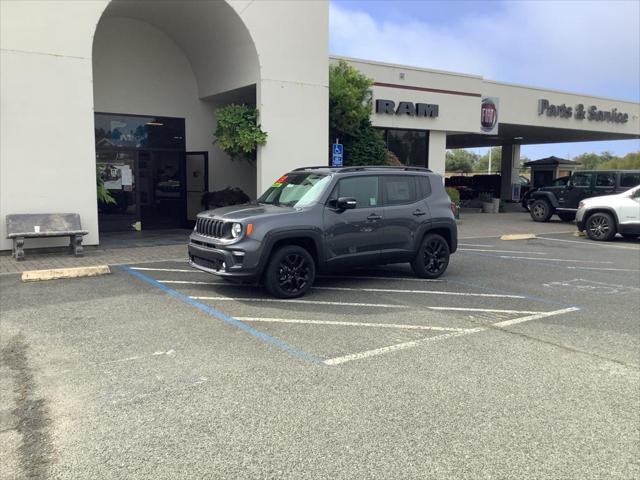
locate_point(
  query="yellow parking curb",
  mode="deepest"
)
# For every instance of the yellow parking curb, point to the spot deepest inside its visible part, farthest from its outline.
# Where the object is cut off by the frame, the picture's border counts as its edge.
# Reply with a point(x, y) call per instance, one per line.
point(56, 273)
point(518, 236)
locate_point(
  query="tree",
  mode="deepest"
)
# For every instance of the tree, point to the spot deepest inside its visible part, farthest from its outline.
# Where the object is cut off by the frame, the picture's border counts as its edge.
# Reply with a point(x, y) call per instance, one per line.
point(460, 160)
point(496, 161)
point(367, 148)
point(349, 111)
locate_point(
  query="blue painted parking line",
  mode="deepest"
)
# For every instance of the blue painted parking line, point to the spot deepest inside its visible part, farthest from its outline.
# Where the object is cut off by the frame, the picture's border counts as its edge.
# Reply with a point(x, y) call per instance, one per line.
point(225, 318)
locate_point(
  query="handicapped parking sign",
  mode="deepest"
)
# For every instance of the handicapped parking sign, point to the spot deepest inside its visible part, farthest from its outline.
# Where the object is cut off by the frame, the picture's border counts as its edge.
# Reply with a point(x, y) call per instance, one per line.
point(336, 157)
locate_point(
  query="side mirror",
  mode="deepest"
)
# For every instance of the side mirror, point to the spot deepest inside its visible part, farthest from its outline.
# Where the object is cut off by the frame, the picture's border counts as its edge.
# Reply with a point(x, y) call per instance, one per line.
point(346, 203)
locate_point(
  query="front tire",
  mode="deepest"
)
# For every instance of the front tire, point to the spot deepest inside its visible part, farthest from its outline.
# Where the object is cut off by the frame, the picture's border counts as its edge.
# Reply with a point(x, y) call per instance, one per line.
point(540, 211)
point(432, 258)
point(600, 227)
point(290, 272)
point(567, 217)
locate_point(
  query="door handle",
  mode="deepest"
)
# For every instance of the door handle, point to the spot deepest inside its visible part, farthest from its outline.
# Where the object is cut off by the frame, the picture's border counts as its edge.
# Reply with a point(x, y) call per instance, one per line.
point(374, 217)
point(419, 212)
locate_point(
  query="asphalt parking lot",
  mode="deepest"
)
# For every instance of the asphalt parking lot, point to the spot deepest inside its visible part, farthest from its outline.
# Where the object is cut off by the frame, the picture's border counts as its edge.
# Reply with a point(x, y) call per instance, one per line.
point(523, 361)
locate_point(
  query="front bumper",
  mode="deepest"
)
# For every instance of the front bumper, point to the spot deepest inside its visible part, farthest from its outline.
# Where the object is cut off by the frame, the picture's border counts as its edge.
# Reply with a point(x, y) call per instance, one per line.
point(230, 263)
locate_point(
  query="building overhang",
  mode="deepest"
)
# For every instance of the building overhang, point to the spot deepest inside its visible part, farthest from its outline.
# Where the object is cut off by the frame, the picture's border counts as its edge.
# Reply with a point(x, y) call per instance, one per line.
point(528, 134)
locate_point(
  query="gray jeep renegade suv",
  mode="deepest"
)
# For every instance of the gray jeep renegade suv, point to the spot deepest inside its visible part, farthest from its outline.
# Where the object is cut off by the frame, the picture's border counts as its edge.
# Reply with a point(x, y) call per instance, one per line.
point(319, 219)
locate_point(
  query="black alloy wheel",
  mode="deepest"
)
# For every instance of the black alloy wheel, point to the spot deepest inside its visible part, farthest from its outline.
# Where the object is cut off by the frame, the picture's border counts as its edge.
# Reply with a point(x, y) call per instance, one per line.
point(540, 211)
point(600, 226)
point(432, 258)
point(290, 272)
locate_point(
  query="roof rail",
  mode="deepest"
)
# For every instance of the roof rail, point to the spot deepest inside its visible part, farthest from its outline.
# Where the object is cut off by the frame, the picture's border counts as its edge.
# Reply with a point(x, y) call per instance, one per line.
point(384, 167)
point(365, 167)
point(311, 168)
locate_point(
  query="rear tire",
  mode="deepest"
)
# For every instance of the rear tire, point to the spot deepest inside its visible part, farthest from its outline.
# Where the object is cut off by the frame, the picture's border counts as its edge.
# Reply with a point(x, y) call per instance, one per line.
point(600, 227)
point(432, 258)
point(540, 211)
point(567, 217)
point(290, 272)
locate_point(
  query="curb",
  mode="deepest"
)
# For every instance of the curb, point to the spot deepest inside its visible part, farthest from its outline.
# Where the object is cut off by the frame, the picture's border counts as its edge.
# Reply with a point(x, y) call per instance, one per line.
point(518, 236)
point(56, 273)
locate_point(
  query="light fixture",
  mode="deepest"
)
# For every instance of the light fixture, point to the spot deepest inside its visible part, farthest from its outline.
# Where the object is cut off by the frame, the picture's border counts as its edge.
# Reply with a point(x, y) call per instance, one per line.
point(155, 124)
point(518, 138)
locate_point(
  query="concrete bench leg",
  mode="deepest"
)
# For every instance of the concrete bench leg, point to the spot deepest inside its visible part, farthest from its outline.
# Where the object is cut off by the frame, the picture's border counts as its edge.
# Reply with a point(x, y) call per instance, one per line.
point(76, 244)
point(18, 248)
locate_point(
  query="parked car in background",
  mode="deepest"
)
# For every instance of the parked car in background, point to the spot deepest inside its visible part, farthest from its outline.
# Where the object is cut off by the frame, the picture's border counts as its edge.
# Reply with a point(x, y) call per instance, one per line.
point(558, 182)
point(602, 217)
point(563, 200)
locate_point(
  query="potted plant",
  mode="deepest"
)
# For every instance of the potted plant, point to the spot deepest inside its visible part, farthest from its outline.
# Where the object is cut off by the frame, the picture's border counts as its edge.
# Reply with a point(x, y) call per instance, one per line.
point(487, 202)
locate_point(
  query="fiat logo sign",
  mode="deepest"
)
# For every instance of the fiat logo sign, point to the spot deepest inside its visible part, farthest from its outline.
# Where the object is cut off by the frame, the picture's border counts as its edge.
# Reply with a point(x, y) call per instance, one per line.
point(489, 115)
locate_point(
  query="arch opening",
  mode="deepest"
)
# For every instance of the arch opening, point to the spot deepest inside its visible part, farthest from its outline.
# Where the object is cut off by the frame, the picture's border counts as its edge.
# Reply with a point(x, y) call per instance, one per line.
point(160, 69)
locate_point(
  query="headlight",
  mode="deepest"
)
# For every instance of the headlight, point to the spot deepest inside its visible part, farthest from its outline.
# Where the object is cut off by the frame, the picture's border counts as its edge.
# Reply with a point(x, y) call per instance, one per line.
point(581, 205)
point(236, 230)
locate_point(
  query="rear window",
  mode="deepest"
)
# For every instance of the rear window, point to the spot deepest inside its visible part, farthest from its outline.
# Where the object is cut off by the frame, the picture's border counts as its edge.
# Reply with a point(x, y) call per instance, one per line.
point(399, 190)
point(630, 179)
point(605, 180)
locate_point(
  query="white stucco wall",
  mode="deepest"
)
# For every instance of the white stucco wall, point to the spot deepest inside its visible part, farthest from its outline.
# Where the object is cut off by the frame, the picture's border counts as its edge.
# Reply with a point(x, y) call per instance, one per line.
point(47, 153)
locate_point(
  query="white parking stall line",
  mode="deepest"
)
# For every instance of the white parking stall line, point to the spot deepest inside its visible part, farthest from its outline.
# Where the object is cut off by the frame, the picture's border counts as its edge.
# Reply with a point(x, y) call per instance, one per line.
point(359, 304)
point(149, 269)
point(351, 324)
point(553, 259)
point(416, 343)
point(428, 292)
point(537, 316)
point(606, 269)
point(406, 279)
point(396, 347)
point(308, 302)
point(484, 310)
point(589, 243)
point(499, 251)
point(350, 289)
point(474, 245)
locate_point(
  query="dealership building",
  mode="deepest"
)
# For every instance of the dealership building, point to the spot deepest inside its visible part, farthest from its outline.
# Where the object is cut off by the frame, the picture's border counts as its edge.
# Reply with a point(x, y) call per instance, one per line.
point(129, 89)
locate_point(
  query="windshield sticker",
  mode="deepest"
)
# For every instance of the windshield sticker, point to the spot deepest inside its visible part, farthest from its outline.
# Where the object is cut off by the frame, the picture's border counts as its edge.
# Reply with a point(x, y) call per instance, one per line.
point(277, 185)
point(372, 201)
point(281, 179)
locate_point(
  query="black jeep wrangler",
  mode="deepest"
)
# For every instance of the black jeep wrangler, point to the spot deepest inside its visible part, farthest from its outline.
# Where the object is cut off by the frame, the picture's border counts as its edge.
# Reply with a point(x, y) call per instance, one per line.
point(320, 218)
point(563, 200)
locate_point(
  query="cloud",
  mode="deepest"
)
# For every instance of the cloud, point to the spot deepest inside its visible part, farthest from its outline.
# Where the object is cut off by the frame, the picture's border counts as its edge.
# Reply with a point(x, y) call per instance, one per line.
point(588, 47)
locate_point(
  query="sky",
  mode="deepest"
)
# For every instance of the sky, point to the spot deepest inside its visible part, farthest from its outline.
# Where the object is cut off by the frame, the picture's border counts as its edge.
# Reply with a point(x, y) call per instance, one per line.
point(590, 47)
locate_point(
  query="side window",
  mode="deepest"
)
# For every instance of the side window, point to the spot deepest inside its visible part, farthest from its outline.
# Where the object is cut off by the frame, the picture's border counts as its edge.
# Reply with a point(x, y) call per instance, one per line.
point(399, 190)
point(581, 179)
point(425, 186)
point(363, 189)
point(605, 180)
point(629, 179)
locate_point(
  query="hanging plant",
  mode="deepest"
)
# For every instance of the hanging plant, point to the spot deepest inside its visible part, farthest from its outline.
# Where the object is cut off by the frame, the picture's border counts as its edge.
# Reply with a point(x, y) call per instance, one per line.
point(238, 133)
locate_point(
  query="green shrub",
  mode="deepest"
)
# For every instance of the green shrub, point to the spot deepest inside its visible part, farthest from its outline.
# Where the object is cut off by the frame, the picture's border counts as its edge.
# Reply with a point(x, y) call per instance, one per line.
point(238, 132)
point(454, 194)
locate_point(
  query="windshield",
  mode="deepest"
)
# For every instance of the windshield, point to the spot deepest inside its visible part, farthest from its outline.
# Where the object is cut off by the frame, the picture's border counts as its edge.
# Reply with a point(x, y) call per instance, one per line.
point(296, 190)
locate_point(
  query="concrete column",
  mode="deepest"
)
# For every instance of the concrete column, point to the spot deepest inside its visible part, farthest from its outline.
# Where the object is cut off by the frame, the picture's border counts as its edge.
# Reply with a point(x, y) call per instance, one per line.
point(437, 151)
point(510, 170)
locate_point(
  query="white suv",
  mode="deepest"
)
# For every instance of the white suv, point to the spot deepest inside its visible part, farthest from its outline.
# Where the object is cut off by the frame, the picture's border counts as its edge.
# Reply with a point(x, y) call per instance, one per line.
point(603, 217)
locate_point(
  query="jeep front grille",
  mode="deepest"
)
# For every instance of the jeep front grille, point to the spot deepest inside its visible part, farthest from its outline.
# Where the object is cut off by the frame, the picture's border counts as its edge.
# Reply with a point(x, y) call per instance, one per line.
point(211, 228)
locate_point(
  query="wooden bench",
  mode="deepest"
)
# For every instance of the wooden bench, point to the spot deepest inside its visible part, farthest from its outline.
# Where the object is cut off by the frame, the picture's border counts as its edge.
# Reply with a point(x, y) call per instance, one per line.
point(43, 225)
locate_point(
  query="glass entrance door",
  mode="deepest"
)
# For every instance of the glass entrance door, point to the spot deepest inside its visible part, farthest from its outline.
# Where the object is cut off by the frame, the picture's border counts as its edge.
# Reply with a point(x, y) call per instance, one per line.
point(117, 173)
point(162, 189)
